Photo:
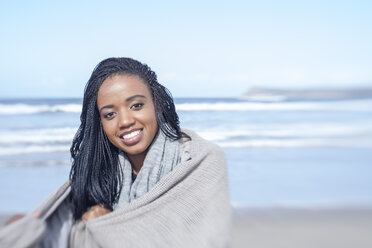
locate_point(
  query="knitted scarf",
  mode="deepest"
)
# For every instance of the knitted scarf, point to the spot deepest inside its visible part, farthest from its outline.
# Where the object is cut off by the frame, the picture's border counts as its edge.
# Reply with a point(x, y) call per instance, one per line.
point(162, 156)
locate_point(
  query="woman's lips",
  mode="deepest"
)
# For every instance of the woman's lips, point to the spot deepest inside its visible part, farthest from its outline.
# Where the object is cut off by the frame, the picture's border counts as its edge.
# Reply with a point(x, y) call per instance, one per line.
point(132, 137)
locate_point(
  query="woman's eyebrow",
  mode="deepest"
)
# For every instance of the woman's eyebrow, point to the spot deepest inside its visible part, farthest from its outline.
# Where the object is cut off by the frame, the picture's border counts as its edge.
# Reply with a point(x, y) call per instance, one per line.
point(131, 97)
point(107, 106)
point(127, 100)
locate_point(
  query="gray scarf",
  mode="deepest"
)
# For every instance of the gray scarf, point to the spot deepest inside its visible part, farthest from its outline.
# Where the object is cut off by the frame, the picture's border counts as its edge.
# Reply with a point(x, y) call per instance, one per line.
point(162, 157)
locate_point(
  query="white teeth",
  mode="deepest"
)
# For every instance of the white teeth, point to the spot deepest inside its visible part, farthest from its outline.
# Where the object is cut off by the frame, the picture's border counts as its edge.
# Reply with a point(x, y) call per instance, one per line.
point(131, 135)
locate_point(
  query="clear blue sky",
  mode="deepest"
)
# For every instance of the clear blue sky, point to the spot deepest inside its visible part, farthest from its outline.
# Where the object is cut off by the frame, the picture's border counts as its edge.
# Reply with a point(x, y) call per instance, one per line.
point(197, 48)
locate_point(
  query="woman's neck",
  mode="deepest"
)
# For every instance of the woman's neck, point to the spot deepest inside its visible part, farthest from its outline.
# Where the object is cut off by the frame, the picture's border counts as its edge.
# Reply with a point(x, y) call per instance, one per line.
point(136, 162)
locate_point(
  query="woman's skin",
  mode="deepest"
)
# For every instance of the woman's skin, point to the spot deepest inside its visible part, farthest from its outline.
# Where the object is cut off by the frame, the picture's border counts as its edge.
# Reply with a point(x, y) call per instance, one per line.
point(94, 212)
point(16, 217)
point(128, 118)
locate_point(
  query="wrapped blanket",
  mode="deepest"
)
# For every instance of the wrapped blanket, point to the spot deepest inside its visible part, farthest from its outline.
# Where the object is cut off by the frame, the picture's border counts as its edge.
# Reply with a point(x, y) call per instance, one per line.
point(189, 207)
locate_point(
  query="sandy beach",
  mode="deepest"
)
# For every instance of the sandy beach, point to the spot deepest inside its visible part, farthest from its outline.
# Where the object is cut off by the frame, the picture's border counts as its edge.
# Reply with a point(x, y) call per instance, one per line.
point(283, 227)
point(280, 227)
point(294, 153)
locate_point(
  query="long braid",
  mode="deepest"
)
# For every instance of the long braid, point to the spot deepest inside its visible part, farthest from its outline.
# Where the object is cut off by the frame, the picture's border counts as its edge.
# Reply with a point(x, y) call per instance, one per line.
point(95, 175)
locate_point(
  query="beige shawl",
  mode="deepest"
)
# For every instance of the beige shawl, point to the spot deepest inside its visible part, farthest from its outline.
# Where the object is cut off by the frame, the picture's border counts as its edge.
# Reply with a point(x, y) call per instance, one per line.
point(189, 207)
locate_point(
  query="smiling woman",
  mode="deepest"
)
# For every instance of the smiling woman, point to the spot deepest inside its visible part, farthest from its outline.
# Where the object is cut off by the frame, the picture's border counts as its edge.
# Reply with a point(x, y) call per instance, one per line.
point(137, 179)
point(128, 116)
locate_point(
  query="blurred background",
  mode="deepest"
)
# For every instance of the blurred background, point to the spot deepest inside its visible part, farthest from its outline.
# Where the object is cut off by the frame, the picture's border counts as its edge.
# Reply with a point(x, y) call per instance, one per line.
point(284, 87)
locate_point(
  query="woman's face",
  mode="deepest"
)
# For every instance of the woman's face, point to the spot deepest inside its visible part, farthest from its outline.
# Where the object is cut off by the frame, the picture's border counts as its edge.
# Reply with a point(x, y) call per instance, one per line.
point(127, 114)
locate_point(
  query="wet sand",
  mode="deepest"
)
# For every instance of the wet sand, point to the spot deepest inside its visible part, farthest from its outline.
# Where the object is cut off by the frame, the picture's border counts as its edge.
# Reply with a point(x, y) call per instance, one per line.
point(282, 227)
point(263, 228)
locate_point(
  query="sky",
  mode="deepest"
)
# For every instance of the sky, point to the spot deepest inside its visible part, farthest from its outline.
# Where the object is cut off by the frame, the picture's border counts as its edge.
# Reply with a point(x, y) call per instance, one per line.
point(197, 48)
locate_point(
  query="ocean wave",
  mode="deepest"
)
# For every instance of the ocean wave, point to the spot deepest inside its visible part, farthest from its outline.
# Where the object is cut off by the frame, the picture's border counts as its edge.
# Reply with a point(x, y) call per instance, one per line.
point(19, 109)
point(40, 162)
point(241, 142)
point(237, 132)
point(270, 135)
point(22, 149)
point(281, 106)
point(293, 143)
point(361, 142)
point(285, 131)
point(37, 136)
point(359, 105)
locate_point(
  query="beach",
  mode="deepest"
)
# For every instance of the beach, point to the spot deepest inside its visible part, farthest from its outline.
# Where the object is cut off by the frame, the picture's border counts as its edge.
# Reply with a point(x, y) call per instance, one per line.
point(305, 228)
point(299, 171)
point(283, 227)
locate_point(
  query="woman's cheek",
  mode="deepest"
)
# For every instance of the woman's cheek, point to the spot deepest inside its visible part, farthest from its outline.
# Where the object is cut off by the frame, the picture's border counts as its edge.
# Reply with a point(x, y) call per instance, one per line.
point(108, 128)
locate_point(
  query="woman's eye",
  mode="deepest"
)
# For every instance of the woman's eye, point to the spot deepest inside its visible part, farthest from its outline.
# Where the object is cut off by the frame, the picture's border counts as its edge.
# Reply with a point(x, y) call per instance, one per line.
point(108, 115)
point(137, 106)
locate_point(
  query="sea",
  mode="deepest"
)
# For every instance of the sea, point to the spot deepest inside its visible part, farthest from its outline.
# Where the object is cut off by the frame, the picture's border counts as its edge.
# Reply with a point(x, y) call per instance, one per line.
point(302, 153)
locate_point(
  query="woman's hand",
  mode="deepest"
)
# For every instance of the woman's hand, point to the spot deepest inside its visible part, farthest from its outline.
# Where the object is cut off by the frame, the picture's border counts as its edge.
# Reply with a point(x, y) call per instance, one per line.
point(95, 212)
point(16, 217)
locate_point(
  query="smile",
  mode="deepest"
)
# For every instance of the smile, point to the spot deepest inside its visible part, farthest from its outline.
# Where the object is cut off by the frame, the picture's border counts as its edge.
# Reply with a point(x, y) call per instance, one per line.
point(132, 137)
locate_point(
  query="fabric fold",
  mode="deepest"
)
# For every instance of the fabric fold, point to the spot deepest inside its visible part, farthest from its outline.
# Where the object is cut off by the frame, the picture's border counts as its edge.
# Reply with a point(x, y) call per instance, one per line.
point(163, 155)
point(188, 207)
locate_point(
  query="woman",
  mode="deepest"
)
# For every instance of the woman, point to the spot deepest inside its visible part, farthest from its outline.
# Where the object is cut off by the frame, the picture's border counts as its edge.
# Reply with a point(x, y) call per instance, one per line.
point(137, 180)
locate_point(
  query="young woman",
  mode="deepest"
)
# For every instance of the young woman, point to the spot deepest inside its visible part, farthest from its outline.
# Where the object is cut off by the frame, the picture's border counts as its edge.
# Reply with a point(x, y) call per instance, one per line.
point(137, 179)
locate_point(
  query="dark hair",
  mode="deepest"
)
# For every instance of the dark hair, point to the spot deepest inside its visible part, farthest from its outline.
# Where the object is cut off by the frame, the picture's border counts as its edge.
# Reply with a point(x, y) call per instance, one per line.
point(95, 175)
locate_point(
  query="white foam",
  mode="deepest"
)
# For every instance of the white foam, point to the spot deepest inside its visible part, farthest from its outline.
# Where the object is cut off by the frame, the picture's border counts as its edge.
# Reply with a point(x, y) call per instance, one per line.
point(65, 162)
point(36, 136)
point(359, 105)
point(252, 135)
point(33, 149)
point(286, 131)
point(265, 98)
point(291, 143)
point(282, 106)
point(18, 109)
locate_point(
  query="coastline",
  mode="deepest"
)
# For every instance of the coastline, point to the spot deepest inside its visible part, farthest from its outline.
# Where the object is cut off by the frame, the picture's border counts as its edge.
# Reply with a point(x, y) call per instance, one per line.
point(296, 227)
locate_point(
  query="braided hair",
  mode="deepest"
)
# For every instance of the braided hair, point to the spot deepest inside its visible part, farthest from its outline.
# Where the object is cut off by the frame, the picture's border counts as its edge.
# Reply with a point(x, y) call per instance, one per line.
point(95, 175)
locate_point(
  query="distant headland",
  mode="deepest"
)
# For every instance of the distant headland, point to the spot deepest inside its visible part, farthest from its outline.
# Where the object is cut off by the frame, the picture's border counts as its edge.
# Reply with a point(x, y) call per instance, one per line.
point(266, 94)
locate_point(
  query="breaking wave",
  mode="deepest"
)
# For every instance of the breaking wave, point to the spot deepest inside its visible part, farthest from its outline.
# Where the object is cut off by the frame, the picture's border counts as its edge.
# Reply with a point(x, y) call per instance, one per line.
point(49, 140)
point(20, 109)
point(360, 105)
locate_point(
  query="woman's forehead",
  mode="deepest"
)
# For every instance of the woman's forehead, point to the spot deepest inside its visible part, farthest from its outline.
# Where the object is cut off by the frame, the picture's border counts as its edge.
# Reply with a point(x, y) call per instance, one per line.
point(123, 84)
point(120, 87)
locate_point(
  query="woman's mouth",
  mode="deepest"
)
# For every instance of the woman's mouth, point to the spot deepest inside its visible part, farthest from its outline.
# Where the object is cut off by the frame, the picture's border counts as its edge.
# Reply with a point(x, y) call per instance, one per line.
point(131, 137)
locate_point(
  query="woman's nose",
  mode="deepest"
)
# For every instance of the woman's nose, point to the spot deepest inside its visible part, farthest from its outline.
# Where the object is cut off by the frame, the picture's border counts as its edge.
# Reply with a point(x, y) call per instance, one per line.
point(126, 119)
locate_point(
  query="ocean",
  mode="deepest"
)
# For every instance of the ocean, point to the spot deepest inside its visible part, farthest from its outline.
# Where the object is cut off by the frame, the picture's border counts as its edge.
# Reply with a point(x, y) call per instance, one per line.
point(302, 153)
